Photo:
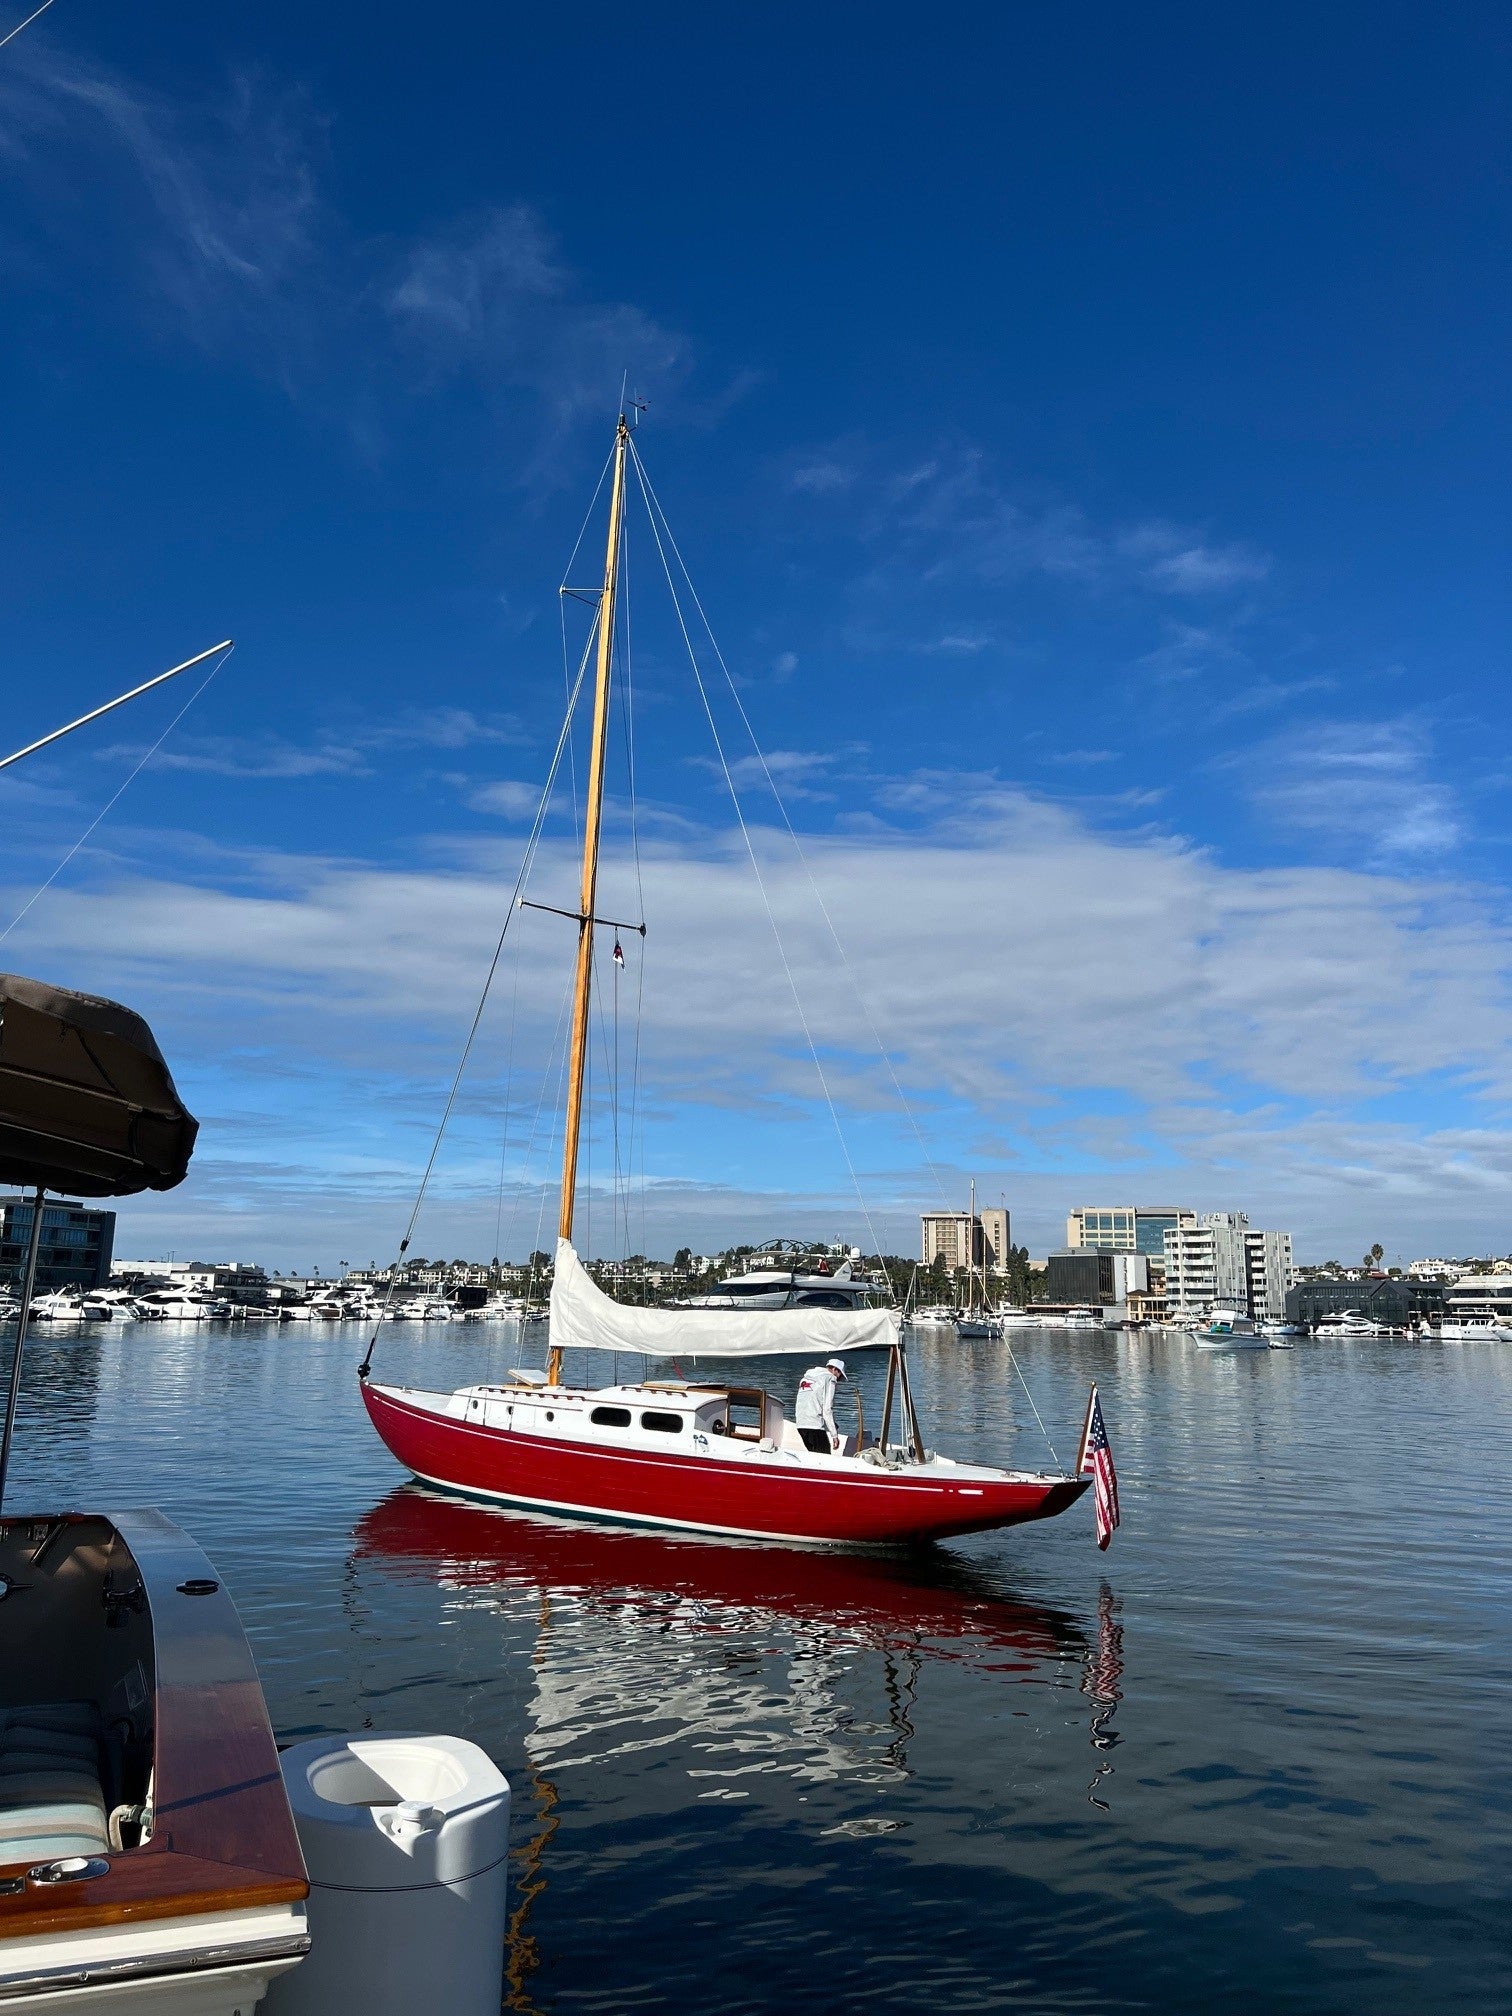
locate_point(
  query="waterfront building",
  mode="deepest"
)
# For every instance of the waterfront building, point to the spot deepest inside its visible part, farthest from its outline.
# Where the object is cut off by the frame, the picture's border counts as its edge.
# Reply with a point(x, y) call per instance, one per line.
point(1269, 1273)
point(1125, 1228)
point(1392, 1302)
point(77, 1242)
point(963, 1241)
point(1206, 1266)
point(1090, 1275)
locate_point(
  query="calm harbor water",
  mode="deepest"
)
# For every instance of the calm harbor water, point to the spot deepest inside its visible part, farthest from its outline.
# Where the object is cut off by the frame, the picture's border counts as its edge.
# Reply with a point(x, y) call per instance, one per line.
point(1259, 1753)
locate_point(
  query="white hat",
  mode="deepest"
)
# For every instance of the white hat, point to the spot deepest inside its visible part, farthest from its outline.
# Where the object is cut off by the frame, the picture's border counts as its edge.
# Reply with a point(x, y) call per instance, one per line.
point(837, 1366)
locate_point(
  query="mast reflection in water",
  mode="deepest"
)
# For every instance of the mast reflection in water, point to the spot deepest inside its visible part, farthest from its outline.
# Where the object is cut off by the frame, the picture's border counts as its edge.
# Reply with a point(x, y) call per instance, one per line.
point(736, 1663)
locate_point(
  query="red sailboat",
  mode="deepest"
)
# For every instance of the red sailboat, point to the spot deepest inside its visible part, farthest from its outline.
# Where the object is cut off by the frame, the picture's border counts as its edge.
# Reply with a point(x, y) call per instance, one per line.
point(713, 1456)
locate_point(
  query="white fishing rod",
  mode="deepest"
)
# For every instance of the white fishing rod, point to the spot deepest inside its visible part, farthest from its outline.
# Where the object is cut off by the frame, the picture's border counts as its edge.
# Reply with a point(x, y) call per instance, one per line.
point(110, 705)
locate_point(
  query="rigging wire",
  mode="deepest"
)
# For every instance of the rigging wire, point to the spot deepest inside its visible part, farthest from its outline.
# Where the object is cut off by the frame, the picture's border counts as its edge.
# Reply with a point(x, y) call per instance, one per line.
point(514, 1016)
point(531, 844)
point(121, 790)
point(563, 593)
point(751, 851)
point(627, 721)
point(540, 1107)
point(882, 1050)
point(660, 524)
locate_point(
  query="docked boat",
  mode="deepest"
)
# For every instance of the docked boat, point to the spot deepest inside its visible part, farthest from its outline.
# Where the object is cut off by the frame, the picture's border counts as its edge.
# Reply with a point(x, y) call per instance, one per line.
point(422, 1309)
point(1083, 1317)
point(713, 1455)
point(934, 1316)
point(63, 1305)
point(1349, 1323)
point(811, 1285)
point(1474, 1329)
point(1011, 1317)
point(180, 1305)
point(1229, 1330)
point(148, 1856)
point(110, 1305)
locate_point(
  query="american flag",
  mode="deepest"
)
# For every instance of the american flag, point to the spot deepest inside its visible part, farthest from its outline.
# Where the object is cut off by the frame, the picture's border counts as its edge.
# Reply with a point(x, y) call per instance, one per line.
point(1097, 1457)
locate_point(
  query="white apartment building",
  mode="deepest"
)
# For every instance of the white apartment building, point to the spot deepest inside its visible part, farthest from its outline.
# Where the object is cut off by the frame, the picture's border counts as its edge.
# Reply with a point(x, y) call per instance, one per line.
point(1205, 1264)
point(949, 1235)
point(1220, 1262)
point(1269, 1271)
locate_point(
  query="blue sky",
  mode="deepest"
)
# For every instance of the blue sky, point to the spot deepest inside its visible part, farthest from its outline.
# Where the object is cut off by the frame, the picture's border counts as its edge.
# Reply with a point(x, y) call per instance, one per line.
point(1088, 435)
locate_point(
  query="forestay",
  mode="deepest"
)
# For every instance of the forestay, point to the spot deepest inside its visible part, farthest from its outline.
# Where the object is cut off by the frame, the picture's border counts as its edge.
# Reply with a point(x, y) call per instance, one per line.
point(584, 1318)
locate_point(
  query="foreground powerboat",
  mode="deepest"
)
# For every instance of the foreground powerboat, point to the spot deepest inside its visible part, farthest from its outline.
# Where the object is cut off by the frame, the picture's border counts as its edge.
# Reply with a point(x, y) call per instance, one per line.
point(148, 1858)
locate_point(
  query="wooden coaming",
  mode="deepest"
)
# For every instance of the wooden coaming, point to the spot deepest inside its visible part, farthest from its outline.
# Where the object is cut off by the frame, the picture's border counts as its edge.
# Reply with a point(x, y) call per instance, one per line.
point(224, 1837)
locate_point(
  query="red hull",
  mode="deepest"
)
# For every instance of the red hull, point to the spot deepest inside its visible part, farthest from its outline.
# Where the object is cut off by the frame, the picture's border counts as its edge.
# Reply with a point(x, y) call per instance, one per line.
point(868, 1508)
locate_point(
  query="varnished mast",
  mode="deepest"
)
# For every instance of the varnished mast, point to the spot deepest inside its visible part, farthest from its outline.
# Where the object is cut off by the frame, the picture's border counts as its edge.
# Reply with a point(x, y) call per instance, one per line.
point(577, 1063)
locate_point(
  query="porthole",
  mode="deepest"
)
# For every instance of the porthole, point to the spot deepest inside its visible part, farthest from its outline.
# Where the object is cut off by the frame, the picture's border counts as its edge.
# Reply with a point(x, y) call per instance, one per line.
point(664, 1424)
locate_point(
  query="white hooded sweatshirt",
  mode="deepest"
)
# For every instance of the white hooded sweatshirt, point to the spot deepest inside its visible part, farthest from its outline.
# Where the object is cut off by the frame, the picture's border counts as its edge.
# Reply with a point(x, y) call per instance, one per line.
point(816, 1400)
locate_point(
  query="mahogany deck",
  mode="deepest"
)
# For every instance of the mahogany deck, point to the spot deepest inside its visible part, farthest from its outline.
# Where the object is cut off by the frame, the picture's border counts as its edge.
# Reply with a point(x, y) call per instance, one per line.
point(224, 1838)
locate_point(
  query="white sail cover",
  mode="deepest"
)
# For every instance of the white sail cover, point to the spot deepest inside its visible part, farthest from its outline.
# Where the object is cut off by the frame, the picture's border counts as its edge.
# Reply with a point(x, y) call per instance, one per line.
point(583, 1317)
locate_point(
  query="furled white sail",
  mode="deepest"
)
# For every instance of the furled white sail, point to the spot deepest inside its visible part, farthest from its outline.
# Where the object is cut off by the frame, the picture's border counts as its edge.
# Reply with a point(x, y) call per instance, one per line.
point(584, 1318)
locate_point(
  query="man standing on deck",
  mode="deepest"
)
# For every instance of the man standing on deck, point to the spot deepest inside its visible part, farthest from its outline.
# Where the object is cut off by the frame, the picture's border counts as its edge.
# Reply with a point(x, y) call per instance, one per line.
point(814, 1415)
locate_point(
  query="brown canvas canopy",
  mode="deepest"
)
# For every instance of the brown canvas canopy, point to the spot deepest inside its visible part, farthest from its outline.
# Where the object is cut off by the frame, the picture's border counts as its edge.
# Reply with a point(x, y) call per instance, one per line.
point(87, 1105)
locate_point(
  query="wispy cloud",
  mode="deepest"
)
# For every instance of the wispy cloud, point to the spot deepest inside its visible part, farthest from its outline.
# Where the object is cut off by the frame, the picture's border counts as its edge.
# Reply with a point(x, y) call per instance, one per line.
point(793, 771)
point(1370, 787)
point(821, 478)
point(957, 517)
point(494, 296)
point(220, 204)
point(1177, 562)
point(230, 186)
point(506, 797)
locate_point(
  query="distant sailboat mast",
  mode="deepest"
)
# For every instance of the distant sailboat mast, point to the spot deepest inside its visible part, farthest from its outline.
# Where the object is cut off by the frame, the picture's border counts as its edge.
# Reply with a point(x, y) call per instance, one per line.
point(591, 824)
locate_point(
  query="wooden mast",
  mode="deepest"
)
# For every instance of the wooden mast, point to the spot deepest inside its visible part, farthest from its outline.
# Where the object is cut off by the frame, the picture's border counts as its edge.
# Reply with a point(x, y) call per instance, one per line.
point(588, 895)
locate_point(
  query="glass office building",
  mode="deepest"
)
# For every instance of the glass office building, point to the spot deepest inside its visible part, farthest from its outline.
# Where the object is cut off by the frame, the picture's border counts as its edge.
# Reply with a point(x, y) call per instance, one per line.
point(1125, 1228)
point(76, 1248)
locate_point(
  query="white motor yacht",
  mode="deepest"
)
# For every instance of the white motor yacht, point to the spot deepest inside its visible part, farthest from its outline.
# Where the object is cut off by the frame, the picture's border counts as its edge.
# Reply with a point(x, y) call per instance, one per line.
point(63, 1305)
point(1011, 1317)
point(1349, 1323)
point(502, 1309)
point(934, 1317)
point(1228, 1330)
point(807, 1285)
point(179, 1305)
point(1085, 1317)
point(1475, 1329)
point(424, 1309)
